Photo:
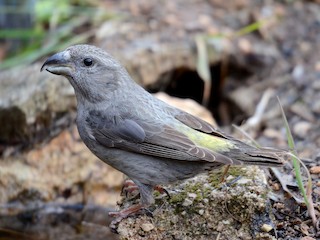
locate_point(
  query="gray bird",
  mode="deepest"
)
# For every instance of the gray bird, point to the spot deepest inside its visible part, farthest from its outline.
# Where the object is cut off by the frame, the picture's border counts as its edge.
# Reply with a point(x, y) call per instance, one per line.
point(148, 140)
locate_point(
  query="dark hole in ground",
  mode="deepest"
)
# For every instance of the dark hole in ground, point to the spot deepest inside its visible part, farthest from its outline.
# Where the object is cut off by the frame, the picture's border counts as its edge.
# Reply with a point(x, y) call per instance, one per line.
point(186, 83)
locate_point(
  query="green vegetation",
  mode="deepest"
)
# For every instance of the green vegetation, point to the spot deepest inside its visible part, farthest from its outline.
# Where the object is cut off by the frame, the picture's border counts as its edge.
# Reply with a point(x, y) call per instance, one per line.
point(306, 193)
point(57, 25)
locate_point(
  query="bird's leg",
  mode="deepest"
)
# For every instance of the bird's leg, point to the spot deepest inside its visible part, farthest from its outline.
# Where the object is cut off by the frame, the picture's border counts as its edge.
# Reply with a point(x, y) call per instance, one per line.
point(226, 169)
point(146, 199)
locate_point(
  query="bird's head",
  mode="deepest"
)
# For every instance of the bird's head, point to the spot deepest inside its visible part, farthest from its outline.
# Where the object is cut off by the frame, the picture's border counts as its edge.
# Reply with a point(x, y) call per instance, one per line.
point(91, 71)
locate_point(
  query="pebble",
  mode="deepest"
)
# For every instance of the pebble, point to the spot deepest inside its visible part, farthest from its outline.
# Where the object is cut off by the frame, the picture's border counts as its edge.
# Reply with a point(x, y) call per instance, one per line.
point(266, 227)
point(243, 181)
point(201, 211)
point(187, 202)
point(307, 238)
point(315, 106)
point(303, 111)
point(298, 73)
point(272, 133)
point(147, 227)
point(301, 129)
point(226, 222)
point(315, 170)
point(220, 227)
point(316, 84)
point(192, 195)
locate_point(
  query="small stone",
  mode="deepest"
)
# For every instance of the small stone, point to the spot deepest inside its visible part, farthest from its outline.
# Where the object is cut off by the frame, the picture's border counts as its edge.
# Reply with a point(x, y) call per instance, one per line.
point(298, 73)
point(266, 227)
point(275, 186)
point(226, 222)
point(147, 227)
point(201, 211)
point(307, 238)
point(272, 133)
point(229, 178)
point(245, 45)
point(243, 181)
point(192, 195)
point(220, 227)
point(301, 129)
point(315, 106)
point(315, 170)
point(303, 111)
point(317, 66)
point(187, 202)
point(304, 228)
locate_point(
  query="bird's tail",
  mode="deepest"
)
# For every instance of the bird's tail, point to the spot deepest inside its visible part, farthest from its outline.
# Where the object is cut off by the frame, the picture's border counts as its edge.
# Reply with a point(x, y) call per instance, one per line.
point(244, 154)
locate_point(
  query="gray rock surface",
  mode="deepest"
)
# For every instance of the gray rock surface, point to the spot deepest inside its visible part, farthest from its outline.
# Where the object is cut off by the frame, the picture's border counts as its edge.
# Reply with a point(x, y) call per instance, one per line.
point(204, 208)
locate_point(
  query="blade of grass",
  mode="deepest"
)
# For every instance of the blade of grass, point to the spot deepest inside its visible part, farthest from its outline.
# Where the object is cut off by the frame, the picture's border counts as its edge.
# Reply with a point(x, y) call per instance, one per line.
point(296, 164)
point(250, 28)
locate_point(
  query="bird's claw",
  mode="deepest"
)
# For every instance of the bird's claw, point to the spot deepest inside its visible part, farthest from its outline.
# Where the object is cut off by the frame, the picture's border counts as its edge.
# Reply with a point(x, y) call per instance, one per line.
point(129, 187)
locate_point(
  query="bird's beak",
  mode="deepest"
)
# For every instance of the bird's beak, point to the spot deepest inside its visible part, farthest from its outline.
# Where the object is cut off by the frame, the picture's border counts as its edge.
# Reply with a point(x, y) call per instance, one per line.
point(58, 64)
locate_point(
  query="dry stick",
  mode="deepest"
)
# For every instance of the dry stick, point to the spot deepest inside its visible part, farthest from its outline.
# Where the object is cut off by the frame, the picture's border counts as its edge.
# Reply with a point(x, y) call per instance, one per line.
point(256, 119)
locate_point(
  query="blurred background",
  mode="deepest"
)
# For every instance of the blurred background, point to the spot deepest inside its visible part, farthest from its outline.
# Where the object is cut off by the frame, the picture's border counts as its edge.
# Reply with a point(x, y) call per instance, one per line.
point(224, 61)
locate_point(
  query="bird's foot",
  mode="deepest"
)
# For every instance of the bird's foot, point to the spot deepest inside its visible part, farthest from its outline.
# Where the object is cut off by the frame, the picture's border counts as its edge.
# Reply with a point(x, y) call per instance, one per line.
point(120, 215)
point(129, 187)
point(126, 212)
point(162, 190)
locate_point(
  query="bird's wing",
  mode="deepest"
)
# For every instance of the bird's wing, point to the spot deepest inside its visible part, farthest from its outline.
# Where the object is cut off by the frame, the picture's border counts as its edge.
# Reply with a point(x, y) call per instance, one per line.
point(198, 124)
point(241, 153)
point(148, 138)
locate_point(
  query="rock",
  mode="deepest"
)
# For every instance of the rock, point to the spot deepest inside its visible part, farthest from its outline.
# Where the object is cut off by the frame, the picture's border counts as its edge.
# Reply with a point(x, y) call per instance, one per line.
point(213, 209)
point(34, 100)
point(302, 111)
point(58, 221)
point(54, 168)
point(307, 238)
point(315, 170)
point(301, 129)
point(147, 227)
point(298, 74)
point(187, 202)
point(201, 212)
point(315, 105)
point(266, 227)
point(188, 105)
point(247, 104)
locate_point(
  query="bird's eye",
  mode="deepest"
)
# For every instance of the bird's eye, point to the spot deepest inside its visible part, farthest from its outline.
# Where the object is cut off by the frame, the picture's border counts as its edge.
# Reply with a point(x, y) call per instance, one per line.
point(88, 62)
